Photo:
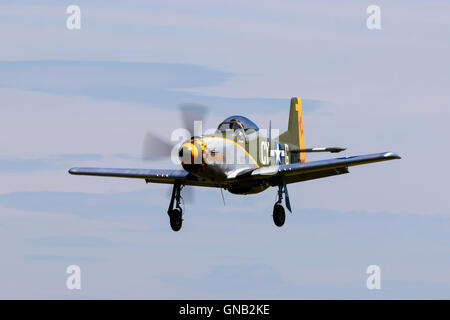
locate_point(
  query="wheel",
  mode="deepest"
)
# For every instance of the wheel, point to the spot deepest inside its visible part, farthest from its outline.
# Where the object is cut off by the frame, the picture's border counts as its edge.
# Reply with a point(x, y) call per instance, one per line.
point(278, 215)
point(175, 219)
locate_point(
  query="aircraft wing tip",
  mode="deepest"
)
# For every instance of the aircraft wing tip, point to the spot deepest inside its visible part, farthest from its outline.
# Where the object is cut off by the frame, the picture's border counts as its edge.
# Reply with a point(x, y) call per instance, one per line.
point(392, 155)
point(73, 171)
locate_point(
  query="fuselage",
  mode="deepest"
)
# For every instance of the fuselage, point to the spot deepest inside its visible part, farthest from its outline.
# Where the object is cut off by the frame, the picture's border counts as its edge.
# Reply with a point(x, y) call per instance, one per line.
point(232, 154)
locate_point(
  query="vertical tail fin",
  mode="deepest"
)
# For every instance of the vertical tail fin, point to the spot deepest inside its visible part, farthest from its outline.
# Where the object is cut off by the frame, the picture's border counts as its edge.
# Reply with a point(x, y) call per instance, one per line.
point(294, 136)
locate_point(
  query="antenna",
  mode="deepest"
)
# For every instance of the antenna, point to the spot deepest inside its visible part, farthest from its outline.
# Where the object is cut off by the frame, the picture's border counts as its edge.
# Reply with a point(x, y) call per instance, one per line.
point(223, 199)
point(270, 134)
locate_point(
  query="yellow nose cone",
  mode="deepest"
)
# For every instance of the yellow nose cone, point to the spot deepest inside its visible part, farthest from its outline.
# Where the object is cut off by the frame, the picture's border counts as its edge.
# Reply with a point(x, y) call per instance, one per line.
point(189, 152)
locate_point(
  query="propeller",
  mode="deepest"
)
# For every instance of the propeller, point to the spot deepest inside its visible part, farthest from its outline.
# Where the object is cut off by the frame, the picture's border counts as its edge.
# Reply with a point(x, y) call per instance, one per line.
point(155, 147)
point(190, 113)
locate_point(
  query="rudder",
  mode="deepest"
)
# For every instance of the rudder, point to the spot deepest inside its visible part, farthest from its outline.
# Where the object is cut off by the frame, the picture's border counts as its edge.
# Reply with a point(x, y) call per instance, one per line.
point(294, 136)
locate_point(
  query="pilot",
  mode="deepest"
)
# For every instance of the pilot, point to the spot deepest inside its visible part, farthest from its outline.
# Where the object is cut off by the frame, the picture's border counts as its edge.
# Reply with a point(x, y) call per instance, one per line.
point(238, 131)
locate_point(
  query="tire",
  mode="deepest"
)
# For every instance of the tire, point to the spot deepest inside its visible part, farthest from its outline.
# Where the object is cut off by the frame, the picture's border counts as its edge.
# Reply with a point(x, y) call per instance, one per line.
point(279, 215)
point(176, 219)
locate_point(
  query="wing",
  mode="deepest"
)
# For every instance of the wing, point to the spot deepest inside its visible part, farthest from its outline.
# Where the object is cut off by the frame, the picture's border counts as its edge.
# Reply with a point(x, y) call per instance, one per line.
point(296, 172)
point(291, 173)
point(150, 175)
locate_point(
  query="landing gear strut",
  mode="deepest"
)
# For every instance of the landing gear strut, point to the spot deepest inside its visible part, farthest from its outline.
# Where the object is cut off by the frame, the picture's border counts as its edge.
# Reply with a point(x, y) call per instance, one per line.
point(279, 215)
point(175, 214)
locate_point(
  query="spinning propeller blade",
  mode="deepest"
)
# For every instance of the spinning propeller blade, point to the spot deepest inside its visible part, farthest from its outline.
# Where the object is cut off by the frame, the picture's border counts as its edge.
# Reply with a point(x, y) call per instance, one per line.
point(155, 147)
point(190, 113)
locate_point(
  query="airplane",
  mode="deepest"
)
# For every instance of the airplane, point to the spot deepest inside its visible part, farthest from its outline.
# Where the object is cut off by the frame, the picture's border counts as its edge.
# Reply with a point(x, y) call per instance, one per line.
point(239, 158)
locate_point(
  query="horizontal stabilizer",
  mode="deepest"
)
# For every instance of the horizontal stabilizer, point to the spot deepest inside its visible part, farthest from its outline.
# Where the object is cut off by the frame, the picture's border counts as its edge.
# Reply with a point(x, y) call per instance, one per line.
point(328, 149)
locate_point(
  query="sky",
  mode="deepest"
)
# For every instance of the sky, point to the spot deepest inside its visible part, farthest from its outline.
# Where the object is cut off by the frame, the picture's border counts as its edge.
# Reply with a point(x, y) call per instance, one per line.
point(87, 98)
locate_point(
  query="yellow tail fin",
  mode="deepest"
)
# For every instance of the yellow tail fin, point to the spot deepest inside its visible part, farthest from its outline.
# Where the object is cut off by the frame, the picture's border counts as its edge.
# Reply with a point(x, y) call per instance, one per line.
point(294, 136)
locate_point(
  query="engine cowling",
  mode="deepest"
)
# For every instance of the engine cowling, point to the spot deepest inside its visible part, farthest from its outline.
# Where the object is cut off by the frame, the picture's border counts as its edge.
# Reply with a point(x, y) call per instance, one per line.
point(191, 156)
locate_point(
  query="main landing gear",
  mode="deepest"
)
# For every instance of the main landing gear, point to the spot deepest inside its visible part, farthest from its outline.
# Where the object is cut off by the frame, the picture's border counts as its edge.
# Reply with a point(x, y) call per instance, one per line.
point(279, 215)
point(176, 214)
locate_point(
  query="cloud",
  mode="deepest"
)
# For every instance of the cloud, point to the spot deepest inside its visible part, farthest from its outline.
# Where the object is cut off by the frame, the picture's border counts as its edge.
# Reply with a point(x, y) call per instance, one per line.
point(259, 281)
point(318, 253)
point(83, 204)
point(68, 259)
point(121, 81)
point(92, 107)
point(251, 279)
point(75, 241)
point(149, 84)
point(10, 164)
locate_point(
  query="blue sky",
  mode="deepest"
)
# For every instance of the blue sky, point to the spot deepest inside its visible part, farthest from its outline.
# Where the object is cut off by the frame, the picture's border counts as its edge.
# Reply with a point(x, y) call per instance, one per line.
point(87, 98)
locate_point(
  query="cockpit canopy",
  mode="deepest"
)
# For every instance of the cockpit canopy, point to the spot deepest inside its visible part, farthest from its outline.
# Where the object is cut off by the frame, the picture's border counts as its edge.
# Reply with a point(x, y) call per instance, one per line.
point(238, 123)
